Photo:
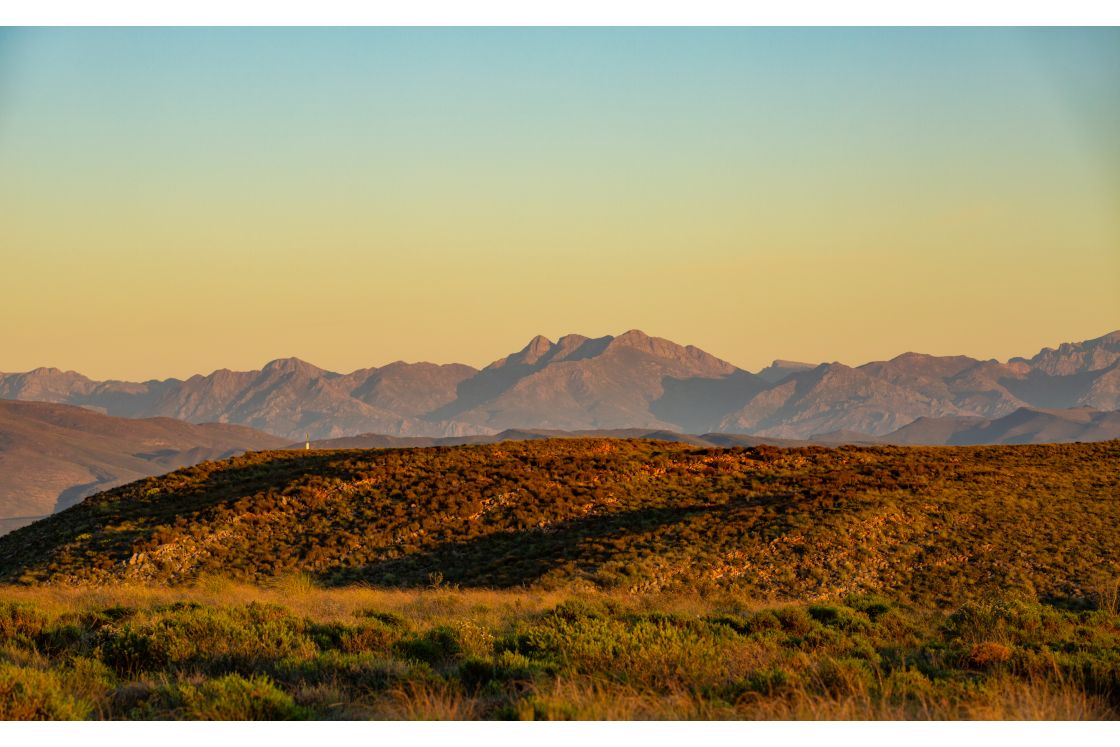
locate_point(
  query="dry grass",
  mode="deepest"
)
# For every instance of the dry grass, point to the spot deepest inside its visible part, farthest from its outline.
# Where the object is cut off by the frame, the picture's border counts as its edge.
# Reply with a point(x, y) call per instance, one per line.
point(427, 701)
point(316, 603)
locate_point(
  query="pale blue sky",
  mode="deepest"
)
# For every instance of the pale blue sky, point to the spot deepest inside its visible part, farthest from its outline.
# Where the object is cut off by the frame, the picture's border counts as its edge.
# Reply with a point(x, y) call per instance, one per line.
point(757, 192)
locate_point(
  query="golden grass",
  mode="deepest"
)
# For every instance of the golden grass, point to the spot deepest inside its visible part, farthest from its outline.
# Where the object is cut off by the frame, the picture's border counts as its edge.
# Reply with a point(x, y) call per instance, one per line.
point(427, 701)
point(471, 606)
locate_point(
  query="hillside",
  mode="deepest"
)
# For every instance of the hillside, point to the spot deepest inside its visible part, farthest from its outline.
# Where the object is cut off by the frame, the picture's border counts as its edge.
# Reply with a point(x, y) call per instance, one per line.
point(1024, 426)
point(936, 525)
point(52, 456)
point(378, 441)
point(629, 381)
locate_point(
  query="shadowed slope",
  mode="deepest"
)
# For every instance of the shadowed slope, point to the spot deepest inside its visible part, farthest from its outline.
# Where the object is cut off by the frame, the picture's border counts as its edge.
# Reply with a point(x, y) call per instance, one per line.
point(941, 524)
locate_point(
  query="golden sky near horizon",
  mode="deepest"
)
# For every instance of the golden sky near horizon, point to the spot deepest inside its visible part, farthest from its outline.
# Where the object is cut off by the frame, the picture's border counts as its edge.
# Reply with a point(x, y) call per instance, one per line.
point(172, 202)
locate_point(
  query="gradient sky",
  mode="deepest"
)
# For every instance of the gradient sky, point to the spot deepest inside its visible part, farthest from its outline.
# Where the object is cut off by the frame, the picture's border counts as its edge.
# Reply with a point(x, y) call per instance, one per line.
point(178, 200)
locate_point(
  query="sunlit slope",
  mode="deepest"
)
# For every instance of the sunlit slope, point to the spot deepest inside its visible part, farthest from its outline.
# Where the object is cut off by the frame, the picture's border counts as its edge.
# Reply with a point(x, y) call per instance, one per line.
point(938, 524)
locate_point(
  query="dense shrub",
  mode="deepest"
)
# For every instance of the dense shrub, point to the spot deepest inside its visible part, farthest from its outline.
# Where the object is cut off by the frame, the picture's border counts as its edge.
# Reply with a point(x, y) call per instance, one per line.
point(583, 657)
point(227, 698)
point(214, 639)
point(27, 694)
point(20, 623)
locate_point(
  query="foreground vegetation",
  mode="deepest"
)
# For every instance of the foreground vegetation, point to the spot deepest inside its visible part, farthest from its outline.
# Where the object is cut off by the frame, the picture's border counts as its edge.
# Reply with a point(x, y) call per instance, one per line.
point(932, 526)
point(578, 579)
point(223, 651)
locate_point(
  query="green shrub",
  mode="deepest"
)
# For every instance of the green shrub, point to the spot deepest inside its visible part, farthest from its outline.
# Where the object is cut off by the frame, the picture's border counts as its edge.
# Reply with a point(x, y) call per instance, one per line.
point(20, 623)
point(27, 694)
point(794, 620)
point(438, 646)
point(769, 682)
point(87, 678)
point(839, 617)
point(390, 619)
point(234, 698)
point(216, 639)
point(843, 677)
point(871, 605)
point(227, 698)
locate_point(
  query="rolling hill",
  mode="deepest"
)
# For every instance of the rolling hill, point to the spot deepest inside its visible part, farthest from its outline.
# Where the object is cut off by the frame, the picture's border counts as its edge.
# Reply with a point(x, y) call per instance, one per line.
point(1026, 425)
point(52, 456)
point(932, 525)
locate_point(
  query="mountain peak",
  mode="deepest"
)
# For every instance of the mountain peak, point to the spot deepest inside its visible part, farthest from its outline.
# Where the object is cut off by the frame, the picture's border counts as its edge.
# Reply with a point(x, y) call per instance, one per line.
point(285, 365)
point(538, 344)
point(535, 350)
point(632, 337)
point(639, 340)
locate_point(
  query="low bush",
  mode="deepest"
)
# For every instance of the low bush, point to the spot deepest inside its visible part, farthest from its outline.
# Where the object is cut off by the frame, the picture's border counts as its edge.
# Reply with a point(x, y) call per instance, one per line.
point(27, 694)
point(461, 654)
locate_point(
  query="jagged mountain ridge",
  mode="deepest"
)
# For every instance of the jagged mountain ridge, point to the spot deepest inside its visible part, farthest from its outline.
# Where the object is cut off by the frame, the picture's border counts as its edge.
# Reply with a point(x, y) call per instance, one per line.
point(880, 397)
point(577, 383)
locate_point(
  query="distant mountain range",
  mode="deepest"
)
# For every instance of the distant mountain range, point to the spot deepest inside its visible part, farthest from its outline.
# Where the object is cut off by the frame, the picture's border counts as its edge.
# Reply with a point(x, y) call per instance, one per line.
point(624, 382)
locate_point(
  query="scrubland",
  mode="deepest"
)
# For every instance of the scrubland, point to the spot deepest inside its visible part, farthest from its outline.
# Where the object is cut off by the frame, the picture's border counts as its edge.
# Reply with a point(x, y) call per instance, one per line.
point(578, 580)
point(223, 650)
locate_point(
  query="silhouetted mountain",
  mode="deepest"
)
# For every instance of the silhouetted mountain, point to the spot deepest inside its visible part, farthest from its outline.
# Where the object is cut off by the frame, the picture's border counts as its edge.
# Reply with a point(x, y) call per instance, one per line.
point(632, 381)
point(52, 456)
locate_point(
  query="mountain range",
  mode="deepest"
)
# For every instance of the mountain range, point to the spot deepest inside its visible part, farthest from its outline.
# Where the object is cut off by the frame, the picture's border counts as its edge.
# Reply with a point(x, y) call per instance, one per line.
point(615, 382)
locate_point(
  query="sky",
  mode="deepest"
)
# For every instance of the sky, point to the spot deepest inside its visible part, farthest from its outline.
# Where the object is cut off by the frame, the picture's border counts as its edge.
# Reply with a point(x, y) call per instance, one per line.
point(173, 201)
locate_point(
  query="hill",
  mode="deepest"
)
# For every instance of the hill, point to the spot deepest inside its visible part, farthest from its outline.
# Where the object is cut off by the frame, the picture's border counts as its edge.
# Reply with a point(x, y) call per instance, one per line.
point(935, 525)
point(629, 381)
point(379, 441)
point(1026, 425)
point(52, 456)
